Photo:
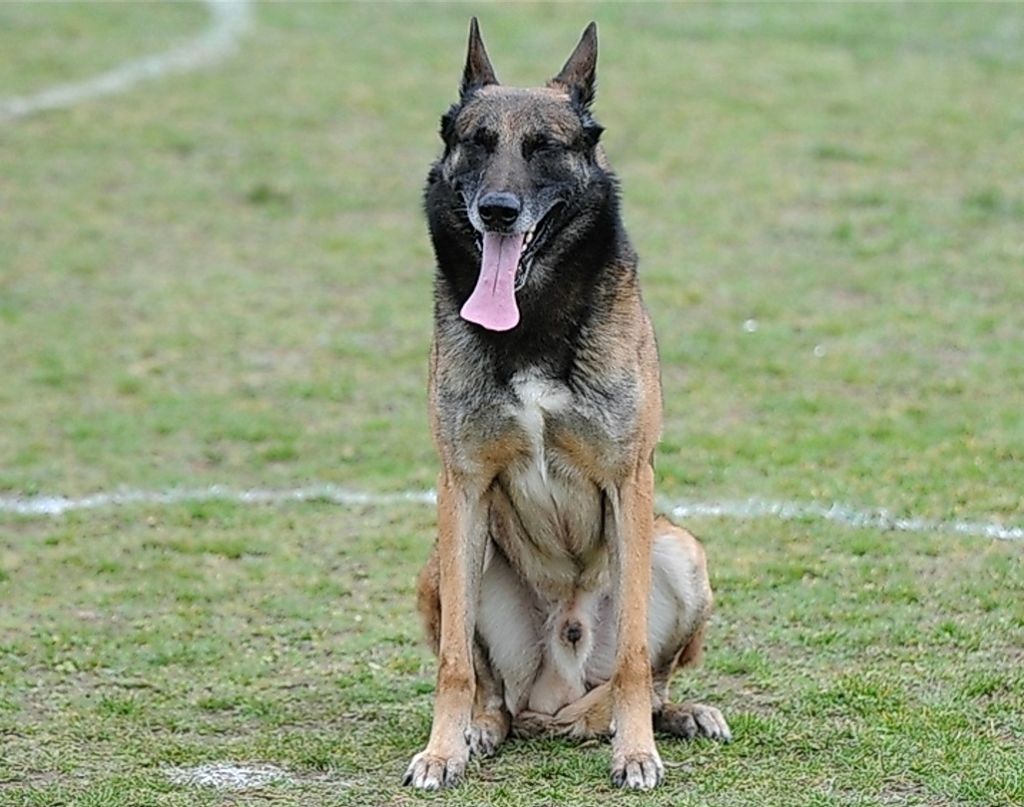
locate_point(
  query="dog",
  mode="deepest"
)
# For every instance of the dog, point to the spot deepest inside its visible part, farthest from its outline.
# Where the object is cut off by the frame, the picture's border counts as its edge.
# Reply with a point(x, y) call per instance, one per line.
point(555, 600)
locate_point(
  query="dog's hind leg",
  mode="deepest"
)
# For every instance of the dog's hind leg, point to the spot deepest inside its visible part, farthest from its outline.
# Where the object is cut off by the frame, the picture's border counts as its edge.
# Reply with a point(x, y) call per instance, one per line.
point(490, 722)
point(679, 610)
point(689, 720)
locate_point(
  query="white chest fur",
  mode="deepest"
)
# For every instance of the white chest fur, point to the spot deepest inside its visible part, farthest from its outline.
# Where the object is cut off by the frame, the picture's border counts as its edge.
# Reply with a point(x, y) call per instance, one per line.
point(539, 399)
point(559, 509)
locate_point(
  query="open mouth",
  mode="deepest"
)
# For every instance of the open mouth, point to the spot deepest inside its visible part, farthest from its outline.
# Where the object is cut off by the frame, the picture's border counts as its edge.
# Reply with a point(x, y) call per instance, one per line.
point(505, 263)
point(532, 238)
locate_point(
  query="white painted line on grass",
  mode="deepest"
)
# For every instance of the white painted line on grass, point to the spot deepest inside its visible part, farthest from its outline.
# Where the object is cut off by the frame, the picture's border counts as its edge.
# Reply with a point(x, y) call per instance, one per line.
point(229, 776)
point(333, 494)
point(751, 509)
point(229, 19)
point(737, 509)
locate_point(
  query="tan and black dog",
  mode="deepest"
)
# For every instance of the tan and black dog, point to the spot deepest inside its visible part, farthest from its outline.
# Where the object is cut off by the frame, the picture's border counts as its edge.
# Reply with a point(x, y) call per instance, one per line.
point(556, 602)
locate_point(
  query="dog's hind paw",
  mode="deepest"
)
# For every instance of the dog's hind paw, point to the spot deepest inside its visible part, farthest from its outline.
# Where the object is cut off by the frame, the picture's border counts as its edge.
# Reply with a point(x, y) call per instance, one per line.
point(641, 771)
point(690, 720)
point(486, 733)
point(432, 772)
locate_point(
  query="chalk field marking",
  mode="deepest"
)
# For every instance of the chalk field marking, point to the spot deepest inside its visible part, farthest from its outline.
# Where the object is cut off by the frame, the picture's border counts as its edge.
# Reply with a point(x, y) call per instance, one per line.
point(333, 494)
point(752, 509)
point(229, 19)
point(229, 776)
point(741, 510)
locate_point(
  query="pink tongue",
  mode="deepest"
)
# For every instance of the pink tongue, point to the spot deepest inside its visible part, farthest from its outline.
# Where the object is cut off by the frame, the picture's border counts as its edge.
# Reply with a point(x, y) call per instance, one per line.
point(493, 302)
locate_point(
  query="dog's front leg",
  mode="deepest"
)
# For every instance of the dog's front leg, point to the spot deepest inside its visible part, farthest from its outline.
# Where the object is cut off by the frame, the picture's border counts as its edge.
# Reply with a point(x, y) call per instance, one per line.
point(461, 540)
point(635, 761)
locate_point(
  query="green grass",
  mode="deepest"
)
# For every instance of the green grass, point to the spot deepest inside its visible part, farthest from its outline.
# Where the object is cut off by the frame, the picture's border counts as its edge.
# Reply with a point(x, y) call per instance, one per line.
point(224, 277)
point(856, 669)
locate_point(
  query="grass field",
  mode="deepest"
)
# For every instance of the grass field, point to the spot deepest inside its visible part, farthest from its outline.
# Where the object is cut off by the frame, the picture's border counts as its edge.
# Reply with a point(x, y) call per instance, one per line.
point(223, 278)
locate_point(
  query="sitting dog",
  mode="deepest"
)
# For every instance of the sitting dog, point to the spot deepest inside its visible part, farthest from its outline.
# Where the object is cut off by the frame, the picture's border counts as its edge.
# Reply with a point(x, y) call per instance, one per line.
point(556, 601)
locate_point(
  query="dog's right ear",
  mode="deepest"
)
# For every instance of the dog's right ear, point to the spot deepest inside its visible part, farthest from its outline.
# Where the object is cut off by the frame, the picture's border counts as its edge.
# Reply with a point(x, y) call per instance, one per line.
point(478, 72)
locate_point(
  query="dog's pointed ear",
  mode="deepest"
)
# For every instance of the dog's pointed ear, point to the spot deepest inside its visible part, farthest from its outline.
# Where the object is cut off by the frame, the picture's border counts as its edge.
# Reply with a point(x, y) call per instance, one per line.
point(478, 72)
point(578, 77)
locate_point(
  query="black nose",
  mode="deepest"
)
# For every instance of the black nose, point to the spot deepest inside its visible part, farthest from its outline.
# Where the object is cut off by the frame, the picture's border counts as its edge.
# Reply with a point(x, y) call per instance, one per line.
point(499, 210)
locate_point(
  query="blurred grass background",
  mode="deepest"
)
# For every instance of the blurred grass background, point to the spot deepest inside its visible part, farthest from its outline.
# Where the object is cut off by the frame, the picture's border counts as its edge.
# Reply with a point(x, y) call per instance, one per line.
point(224, 278)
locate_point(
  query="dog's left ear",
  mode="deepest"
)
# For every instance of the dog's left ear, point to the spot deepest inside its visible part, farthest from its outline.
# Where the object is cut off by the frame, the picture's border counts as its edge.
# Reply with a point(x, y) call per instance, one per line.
point(578, 77)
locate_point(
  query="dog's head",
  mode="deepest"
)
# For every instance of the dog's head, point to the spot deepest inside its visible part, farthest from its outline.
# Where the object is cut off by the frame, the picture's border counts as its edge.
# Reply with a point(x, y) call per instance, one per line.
point(521, 182)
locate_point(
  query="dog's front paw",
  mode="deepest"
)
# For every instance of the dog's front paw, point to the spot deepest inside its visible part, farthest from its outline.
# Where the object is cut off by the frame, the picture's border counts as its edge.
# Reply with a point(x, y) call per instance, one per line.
point(637, 771)
point(432, 771)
